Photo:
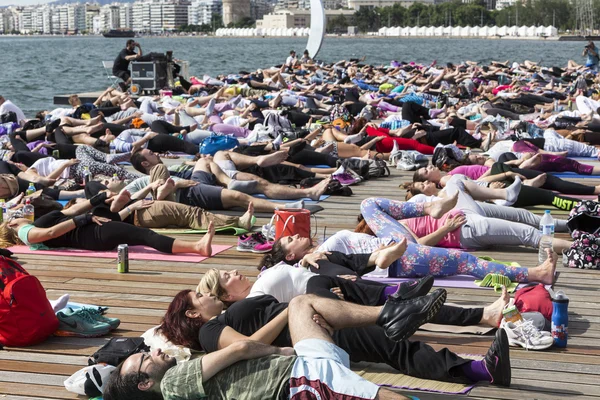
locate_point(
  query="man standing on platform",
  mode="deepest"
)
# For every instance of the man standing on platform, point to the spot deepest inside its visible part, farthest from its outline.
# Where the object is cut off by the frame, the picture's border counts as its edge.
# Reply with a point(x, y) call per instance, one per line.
point(121, 64)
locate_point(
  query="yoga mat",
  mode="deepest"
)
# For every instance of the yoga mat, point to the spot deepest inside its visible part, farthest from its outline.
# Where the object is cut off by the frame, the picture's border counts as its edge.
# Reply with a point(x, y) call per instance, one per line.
point(318, 166)
point(573, 175)
point(63, 202)
point(384, 375)
point(307, 200)
point(135, 253)
point(456, 281)
point(313, 208)
point(471, 329)
point(228, 230)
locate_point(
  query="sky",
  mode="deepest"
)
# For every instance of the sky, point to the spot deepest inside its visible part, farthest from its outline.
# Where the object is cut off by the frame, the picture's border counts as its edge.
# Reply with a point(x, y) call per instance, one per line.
point(22, 2)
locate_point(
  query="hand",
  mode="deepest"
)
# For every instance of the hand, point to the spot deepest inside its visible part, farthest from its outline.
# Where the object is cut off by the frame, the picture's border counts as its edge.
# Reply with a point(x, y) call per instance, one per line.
point(319, 320)
point(287, 351)
point(141, 204)
point(312, 258)
point(497, 185)
point(338, 292)
point(49, 145)
point(455, 222)
point(21, 166)
point(348, 277)
point(513, 175)
point(419, 134)
point(72, 161)
point(99, 220)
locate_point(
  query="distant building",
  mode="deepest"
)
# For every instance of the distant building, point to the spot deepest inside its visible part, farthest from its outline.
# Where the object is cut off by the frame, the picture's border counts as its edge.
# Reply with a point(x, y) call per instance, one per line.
point(259, 8)
point(357, 4)
point(299, 18)
point(500, 4)
point(125, 16)
point(201, 11)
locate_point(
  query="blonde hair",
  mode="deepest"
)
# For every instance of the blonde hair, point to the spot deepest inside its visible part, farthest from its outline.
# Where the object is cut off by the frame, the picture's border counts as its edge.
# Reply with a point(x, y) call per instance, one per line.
point(8, 236)
point(73, 99)
point(210, 283)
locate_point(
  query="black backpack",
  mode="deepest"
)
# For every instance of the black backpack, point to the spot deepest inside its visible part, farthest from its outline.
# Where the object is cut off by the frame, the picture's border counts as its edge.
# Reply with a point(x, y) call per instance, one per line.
point(9, 117)
point(444, 159)
point(117, 350)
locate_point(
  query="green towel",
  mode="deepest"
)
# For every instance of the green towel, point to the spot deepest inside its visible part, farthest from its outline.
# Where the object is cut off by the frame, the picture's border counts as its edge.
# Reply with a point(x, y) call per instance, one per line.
point(497, 281)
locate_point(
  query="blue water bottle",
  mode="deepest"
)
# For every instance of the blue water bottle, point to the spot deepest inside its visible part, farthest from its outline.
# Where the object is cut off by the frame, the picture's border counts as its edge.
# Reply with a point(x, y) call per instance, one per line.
point(560, 319)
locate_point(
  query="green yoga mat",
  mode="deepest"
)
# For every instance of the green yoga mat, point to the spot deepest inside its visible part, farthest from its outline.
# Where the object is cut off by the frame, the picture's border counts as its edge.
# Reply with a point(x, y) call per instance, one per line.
point(227, 230)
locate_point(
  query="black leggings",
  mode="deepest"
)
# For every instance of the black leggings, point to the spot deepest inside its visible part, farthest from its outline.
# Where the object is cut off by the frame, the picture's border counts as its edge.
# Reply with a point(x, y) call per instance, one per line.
point(165, 128)
point(414, 112)
point(449, 136)
point(163, 143)
point(552, 182)
point(104, 237)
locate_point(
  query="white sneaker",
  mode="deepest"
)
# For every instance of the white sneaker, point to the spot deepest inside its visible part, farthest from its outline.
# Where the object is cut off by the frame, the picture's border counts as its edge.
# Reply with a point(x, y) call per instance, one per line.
point(395, 157)
point(526, 335)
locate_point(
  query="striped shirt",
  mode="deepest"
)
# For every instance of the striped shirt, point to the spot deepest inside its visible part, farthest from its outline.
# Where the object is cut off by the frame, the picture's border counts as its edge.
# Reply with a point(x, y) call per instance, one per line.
point(260, 378)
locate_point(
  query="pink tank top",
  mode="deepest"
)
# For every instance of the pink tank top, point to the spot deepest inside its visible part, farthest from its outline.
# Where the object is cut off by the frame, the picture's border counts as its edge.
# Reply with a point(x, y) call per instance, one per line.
point(470, 171)
point(423, 226)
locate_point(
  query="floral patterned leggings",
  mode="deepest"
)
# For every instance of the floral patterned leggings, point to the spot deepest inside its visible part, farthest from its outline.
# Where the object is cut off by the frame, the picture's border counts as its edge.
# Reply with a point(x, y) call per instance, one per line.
point(382, 216)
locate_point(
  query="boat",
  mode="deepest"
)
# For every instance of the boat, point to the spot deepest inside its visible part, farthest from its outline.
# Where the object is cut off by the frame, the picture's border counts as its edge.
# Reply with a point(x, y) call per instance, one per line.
point(119, 33)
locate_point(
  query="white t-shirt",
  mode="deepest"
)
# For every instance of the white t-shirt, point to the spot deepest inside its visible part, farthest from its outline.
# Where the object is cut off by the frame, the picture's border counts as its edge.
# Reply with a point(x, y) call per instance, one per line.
point(349, 242)
point(422, 198)
point(504, 146)
point(283, 281)
point(8, 106)
point(45, 166)
point(290, 61)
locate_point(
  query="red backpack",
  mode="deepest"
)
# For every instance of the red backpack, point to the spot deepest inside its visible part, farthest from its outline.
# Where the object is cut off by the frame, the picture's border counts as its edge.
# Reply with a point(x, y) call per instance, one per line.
point(26, 316)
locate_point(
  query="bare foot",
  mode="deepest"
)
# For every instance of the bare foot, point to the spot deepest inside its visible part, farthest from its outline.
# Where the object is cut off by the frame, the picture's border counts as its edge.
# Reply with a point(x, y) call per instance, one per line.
point(385, 257)
point(538, 181)
point(544, 273)
point(204, 245)
point(441, 207)
point(120, 200)
point(245, 221)
point(316, 191)
point(272, 159)
point(165, 189)
point(492, 314)
point(532, 162)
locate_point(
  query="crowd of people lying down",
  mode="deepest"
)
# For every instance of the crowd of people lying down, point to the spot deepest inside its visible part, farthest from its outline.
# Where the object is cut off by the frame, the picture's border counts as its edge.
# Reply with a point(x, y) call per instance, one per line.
point(296, 131)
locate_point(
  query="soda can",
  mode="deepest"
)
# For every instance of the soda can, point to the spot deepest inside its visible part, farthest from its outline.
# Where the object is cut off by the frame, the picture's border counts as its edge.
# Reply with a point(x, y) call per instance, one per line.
point(123, 258)
point(55, 154)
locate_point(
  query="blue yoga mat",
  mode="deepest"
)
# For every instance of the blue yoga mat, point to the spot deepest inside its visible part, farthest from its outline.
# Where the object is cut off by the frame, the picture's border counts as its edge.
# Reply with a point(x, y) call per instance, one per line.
point(318, 166)
point(63, 202)
point(573, 175)
point(306, 199)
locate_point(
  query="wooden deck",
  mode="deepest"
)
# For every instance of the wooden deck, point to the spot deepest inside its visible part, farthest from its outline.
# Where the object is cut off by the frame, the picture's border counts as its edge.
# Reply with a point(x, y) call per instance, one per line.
point(140, 298)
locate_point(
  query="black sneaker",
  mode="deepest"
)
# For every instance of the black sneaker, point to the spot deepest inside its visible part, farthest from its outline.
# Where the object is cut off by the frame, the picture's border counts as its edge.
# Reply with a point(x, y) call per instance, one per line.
point(411, 289)
point(400, 319)
point(497, 359)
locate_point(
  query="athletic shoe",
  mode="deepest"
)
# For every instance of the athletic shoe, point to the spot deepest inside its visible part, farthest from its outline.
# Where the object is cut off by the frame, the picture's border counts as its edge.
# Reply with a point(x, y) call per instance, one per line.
point(254, 243)
point(412, 160)
point(96, 313)
point(525, 334)
point(411, 289)
point(395, 158)
point(400, 319)
point(497, 360)
point(79, 323)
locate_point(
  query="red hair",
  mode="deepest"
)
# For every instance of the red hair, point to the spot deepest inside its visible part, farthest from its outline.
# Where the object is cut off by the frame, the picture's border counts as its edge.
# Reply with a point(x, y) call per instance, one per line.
point(363, 227)
point(357, 126)
point(179, 328)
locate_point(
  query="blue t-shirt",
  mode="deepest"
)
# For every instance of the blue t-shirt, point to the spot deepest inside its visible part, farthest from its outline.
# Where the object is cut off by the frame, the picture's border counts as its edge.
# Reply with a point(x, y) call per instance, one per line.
point(592, 59)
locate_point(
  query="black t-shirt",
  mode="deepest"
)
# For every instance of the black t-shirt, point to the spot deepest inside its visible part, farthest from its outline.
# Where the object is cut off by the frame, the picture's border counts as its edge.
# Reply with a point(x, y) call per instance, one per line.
point(246, 317)
point(121, 63)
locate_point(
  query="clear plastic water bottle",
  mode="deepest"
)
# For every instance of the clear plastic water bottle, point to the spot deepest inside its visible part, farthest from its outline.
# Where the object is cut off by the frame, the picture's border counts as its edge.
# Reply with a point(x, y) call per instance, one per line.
point(86, 175)
point(560, 319)
point(547, 231)
point(3, 215)
point(555, 105)
point(113, 149)
point(28, 210)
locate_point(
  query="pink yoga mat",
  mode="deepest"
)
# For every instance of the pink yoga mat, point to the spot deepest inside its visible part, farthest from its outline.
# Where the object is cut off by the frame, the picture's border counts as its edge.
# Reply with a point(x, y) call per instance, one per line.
point(135, 253)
